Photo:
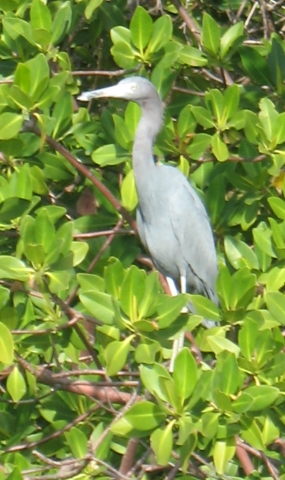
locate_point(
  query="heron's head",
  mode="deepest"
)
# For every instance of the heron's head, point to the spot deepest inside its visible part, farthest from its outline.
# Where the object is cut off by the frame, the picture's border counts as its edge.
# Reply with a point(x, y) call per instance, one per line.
point(137, 89)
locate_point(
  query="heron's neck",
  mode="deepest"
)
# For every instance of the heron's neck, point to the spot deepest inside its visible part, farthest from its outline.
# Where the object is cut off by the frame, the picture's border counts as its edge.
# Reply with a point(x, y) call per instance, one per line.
point(149, 126)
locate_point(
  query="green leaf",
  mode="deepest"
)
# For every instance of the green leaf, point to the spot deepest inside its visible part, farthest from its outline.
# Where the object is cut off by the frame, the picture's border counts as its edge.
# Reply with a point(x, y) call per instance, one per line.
point(132, 292)
point(204, 307)
point(108, 155)
point(129, 192)
point(16, 27)
point(141, 28)
point(13, 268)
point(22, 78)
point(62, 114)
point(16, 385)
point(210, 422)
point(268, 117)
point(202, 116)
point(262, 238)
point(10, 125)
point(215, 199)
point(120, 34)
point(161, 441)
point(185, 374)
point(44, 231)
point(147, 305)
point(77, 442)
point(262, 396)
point(161, 33)
point(231, 99)
point(219, 148)
point(224, 451)
point(61, 21)
point(247, 337)
point(116, 355)
point(39, 73)
point(199, 145)
point(4, 296)
point(278, 129)
point(278, 206)
point(79, 250)
point(251, 432)
point(169, 390)
point(6, 345)
point(92, 5)
point(275, 302)
point(230, 38)
point(220, 344)
point(227, 384)
point(276, 64)
point(169, 308)
point(40, 16)
point(146, 352)
point(255, 65)
point(210, 37)
point(99, 304)
point(239, 253)
point(150, 378)
point(124, 55)
point(113, 276)
point(192, 56)
point(145, 416)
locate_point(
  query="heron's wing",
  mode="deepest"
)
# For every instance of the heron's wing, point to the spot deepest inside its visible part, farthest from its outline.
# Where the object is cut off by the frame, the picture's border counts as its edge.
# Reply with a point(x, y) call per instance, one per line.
point(192, 228)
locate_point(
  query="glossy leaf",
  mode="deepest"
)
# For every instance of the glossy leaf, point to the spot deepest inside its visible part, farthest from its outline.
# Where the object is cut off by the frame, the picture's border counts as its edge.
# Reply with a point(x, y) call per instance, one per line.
point(276, 305)
point(40, 16)
point(16, 384)
point(161, 33)
point(220, 149)
point(116, 355)
point(262, 396)
point(161, 441)
point(13, 268)
point(10, 125)
point(77, 441)
point(144, 416)
point(185, 374)
point(107, 155)
point(6, 344)
point(219, 344)
point(91, 7)
point(99, 304)
point(224, 451)
point(128, 191)
point(141, 28)
point(230, 38)
point(210, 34)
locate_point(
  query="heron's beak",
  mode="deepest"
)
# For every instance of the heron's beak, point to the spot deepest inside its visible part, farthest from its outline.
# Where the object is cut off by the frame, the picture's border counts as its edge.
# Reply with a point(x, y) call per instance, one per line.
point(101, 93)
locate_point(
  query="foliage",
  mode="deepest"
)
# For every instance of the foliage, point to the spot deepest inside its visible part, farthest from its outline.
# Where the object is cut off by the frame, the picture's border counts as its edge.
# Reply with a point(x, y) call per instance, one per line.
point(85, 328)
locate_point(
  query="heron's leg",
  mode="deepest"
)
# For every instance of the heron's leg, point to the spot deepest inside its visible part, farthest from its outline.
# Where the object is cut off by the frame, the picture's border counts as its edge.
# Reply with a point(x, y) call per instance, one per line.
point(178, 342)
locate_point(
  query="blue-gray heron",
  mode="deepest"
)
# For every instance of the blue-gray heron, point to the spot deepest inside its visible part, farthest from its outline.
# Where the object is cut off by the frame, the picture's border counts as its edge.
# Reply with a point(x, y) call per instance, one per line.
point(171, 219)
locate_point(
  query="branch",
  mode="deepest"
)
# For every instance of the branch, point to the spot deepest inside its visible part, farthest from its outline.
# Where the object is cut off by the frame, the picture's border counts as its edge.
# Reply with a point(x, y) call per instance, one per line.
point(80, 387)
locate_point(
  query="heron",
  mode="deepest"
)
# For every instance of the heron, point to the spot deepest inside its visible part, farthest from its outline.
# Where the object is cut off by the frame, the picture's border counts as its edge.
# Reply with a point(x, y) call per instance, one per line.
point(172, 222)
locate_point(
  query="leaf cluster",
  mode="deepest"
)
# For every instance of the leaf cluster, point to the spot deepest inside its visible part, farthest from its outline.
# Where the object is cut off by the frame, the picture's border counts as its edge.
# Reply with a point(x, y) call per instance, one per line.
point(86, 328)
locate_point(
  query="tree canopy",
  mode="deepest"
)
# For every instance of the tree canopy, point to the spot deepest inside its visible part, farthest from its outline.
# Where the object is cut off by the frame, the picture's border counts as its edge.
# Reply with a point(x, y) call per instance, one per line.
point(86, 324)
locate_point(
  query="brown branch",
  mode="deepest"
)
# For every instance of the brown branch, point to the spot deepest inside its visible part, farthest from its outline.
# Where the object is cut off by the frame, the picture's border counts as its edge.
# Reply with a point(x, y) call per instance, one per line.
point(244, 458)
point(80, 387)
point(128, 457)
point(191, 25)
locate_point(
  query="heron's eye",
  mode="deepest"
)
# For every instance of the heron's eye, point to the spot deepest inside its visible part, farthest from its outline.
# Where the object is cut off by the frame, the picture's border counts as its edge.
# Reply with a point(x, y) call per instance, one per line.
point(133, 86)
